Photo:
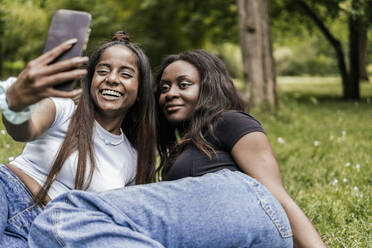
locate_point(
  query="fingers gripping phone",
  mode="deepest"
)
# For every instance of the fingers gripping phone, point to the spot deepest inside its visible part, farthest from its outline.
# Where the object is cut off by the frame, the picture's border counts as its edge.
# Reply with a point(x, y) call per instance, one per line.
point(65, 25)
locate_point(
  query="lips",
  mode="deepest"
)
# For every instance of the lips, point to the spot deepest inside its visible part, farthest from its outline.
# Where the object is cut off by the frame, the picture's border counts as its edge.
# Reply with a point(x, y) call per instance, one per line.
point(173, 107)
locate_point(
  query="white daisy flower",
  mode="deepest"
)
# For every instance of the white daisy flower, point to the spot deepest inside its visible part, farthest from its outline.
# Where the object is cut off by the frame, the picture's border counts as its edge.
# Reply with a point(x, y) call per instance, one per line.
point(281, 140)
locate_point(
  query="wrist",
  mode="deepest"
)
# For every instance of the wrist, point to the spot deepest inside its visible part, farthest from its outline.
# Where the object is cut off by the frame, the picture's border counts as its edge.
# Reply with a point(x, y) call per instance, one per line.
point(13, 100)
point(19, 116)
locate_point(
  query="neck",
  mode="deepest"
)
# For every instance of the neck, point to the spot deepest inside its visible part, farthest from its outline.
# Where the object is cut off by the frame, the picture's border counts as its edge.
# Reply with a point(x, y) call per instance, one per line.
point(182, 128)
point(112, 125)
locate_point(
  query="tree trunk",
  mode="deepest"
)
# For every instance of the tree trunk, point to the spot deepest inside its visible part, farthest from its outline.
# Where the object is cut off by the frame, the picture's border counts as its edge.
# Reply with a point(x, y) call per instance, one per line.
point(258, 62)
point(269, 62)
point(363, 50)
point(345, 77)
point(354, 34)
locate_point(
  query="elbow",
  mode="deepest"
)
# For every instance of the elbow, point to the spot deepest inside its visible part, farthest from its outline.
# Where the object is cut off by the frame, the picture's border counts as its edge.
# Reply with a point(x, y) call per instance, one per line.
point(19, 133)
point(19, 138)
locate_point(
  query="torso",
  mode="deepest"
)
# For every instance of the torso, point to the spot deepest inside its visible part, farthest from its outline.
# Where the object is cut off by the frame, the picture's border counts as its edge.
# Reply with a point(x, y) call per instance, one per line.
point(228, 129)
point(32, 185)
point(114, 156)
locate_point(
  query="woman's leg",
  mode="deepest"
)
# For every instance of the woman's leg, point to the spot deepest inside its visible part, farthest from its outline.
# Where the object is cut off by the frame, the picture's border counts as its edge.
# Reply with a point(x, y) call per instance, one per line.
point(3, 212)
point(16, 210)
point(223, 209)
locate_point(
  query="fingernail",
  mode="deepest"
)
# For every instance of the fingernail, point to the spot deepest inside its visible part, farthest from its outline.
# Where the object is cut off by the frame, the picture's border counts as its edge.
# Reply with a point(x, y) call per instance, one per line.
point(71, 41)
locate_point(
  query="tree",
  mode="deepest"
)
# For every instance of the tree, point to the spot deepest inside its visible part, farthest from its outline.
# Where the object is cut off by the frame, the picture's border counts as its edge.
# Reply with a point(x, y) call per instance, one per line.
point(357, 19)
point(258, 62)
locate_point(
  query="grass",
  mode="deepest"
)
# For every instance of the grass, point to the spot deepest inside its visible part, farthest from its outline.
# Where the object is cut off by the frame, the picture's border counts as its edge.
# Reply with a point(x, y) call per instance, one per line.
point(324, 148)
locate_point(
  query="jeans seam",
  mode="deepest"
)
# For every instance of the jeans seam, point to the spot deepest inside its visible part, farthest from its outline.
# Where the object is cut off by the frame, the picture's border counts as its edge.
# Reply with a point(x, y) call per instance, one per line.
point(9, 176)
point(266, 207)
point(19, 213)
point(270, 212)
point(57, 214)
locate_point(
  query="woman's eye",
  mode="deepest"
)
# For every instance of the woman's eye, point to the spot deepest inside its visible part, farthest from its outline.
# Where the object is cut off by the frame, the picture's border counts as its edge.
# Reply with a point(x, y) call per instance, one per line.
point(126, 74)
point(102, 72)
point(164, 88)
point(184, 84)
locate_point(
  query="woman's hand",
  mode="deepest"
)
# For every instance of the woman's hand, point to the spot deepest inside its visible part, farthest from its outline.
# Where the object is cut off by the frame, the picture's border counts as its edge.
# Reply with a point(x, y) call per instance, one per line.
point(36, 81)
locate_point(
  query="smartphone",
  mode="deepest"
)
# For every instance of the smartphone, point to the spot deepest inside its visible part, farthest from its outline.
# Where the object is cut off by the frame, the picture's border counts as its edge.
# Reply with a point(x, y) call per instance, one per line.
point(65, 25)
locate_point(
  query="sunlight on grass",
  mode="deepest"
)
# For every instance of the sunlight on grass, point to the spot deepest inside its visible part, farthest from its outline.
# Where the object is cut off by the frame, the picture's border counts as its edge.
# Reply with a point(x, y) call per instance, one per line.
point(323, 145)
point(318, 86)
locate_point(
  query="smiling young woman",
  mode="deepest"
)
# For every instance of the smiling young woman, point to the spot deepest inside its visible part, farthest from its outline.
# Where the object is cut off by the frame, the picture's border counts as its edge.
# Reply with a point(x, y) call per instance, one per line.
point(105, 142)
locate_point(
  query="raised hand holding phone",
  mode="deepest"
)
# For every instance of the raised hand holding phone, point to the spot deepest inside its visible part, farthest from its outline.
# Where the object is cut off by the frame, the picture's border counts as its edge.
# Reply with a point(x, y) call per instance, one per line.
point(37, 80)
point(52, 74)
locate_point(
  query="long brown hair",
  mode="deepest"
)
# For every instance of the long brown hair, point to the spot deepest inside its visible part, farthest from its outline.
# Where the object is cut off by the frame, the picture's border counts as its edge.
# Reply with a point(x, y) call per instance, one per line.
point(138, 124)
point(217, 94)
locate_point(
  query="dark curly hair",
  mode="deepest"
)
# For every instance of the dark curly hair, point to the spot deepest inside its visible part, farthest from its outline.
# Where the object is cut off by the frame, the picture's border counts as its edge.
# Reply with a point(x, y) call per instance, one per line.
point(217, 94)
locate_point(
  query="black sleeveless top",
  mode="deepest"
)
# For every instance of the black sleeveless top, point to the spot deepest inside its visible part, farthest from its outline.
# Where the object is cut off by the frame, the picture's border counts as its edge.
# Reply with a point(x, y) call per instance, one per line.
point(228, 129)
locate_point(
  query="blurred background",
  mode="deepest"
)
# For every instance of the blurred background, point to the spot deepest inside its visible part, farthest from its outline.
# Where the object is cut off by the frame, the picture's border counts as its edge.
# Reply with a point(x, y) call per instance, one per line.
point(304, 66)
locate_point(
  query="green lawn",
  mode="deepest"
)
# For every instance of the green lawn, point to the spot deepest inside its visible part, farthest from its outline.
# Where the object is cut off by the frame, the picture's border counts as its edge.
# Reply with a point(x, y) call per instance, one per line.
point(324, 148)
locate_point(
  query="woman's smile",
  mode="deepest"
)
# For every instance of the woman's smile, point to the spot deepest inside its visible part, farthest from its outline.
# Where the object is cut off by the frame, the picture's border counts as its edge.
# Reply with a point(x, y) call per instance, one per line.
point(173, 107)
point(111, 93)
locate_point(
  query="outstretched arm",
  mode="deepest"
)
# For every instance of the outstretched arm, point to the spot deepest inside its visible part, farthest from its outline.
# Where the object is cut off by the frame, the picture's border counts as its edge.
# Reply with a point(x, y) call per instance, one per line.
point(254, 155)
point(41, 119)
point(35, 84)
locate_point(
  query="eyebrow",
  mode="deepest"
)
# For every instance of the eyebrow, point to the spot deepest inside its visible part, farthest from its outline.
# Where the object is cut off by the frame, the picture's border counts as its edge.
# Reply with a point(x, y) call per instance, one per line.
point(122, 67)
point(179, 78)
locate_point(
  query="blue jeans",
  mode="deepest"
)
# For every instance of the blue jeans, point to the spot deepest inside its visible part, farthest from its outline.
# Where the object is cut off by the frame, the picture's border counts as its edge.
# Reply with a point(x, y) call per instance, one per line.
point(17, 210)
point(222, 209)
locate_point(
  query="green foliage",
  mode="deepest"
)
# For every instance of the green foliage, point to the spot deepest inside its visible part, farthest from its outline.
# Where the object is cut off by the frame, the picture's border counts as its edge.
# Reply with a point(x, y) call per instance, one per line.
point(159, 26)
point(231, 55)
point(24, 29)
point(169, 26)
point(312, 56)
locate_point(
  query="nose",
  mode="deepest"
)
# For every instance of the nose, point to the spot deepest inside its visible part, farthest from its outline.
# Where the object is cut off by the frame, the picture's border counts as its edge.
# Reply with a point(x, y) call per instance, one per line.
point(112, 78)
point(173, 92)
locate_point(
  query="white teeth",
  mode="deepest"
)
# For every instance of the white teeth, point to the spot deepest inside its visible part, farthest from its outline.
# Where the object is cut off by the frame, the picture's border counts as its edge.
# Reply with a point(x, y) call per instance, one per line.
point(111, 93)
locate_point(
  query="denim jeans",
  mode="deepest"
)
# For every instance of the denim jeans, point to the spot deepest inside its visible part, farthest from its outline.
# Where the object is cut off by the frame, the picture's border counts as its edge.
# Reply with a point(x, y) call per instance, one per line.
point(17, 210)
point(222, 209)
